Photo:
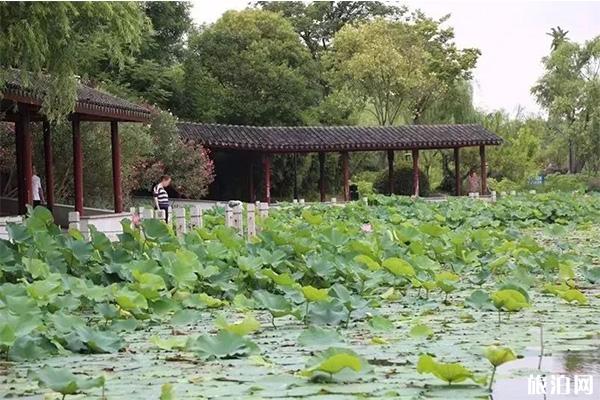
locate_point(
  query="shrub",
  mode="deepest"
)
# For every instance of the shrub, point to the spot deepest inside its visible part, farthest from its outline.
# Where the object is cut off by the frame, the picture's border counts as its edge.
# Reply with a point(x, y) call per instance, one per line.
point(503, 185)
point(565, 183)
point(403, 182)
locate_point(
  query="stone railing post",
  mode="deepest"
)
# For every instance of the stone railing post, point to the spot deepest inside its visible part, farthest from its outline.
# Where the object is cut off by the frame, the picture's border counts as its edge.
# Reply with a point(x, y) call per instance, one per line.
point(195, 217)
point(74, 220)
point(251, 223)
point(180, 225)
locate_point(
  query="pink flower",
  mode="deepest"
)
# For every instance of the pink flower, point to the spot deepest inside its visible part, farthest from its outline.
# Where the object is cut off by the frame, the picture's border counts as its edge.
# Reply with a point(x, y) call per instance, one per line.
point(135, 219)
point(367, 228)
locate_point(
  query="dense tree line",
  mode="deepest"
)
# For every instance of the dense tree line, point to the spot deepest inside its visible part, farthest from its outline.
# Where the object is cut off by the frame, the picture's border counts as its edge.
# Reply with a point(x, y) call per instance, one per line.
point(287, 63)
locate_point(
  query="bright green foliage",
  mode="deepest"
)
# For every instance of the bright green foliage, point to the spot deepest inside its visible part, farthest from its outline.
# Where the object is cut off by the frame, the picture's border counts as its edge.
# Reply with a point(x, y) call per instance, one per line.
point(573, 295)
point(313, 294)
point(499, 355)
point(568, 91)
point(509, 300)
point(64, 382)
point(399, 267)
point(335, 361)
point(61, 294)
point(175, 342)
point(166, 392)
point(421, 330)
point(249, 68)
point(223, 345)
point(448, 372)
point(398, 67)
point(242, 328)
point(63, 39)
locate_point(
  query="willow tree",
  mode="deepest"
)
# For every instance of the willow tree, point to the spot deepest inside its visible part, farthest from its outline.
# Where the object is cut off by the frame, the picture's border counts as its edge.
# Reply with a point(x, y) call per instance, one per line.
point(63, 39)
point(569, 91)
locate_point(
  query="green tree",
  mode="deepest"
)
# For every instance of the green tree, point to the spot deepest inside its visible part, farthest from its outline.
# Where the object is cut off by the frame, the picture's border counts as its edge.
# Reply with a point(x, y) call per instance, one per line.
point(398, 69)
point(569, 91)
point(317, 22)
point(155, 73)
point(249, 68)
point(188, 163)
point(65, 38)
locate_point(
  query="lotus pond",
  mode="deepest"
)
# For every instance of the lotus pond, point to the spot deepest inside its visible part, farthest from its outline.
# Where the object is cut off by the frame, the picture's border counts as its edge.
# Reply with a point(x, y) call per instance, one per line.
point(395, 299)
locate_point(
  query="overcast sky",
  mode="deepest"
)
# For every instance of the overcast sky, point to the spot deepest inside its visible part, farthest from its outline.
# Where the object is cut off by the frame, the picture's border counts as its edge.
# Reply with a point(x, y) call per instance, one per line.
point(510, 34)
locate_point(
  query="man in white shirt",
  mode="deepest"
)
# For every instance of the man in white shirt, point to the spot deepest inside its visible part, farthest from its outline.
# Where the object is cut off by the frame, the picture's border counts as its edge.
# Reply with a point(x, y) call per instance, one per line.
point(36, 189)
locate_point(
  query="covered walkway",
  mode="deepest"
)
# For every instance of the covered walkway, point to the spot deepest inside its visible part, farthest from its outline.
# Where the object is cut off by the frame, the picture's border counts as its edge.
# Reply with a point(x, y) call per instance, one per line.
point(22, 105)
point(262, 142)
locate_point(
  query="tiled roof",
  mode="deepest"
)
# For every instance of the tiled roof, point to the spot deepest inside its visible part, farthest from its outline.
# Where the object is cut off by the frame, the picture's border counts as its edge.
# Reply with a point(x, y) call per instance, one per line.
point(89, 100)
point(336, 138)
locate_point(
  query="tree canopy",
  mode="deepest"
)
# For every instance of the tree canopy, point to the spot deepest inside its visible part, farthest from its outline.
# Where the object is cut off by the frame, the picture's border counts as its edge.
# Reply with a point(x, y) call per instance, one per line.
point(398, 68)
point(570, 92)
point(249, 68)
point(64, 39)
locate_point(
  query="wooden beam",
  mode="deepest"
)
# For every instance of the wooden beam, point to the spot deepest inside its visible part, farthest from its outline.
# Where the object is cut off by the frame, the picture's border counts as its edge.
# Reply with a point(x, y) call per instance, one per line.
point(266, 161)
point(322, 176)
point(19, 160)
point(346, 174)
point(390, 158)
point(77, 165)
point(27, 155)
point(415, 158)
point(49, 165)
point(251, 191)
point(116, 166)
point(483, 170)
point(295, 176)
point(457, 178)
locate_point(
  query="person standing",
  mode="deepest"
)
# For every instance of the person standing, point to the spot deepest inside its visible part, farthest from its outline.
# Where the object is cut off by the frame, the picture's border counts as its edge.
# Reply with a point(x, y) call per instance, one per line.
point(36, 188)
point(473, 181)
point(161, 197)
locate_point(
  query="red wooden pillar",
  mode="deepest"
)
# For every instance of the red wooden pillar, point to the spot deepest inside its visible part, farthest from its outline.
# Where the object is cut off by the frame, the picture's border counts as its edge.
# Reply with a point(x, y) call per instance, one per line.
point(27, 155)
point(458, 180)
point(346, 174)
point(483, 170)
point(251, 192)
point(322, 176)
point(49, 165)
point(266, 160)
point(415, 158)
point(21, 208)
point(116, 166)
point(390, 157)
point(77, 165)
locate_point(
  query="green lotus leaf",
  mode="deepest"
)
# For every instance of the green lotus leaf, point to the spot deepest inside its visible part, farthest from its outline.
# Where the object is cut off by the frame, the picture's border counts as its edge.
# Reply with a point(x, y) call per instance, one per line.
point(592, 274)
point(335, 361)
point(509, 300)
point(63, 381)
point(317, 336)
point(573, 295)
point(313, 219)
point(277, 305)
point(313, 294)
point(448, 372)
point(223, 345)
point(130, 300)
point(368, 261)
point(480, 300)
point(420, 330)
point(248, 325)
point(283, 279)
point(174, 342)
point(499, 355)
point(399, 267)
